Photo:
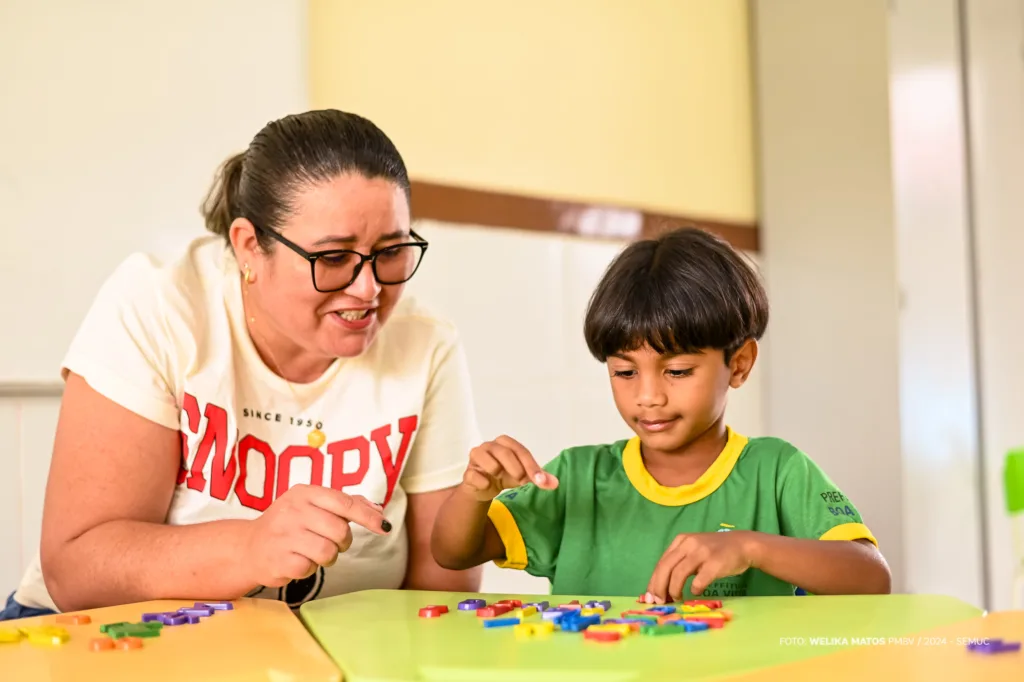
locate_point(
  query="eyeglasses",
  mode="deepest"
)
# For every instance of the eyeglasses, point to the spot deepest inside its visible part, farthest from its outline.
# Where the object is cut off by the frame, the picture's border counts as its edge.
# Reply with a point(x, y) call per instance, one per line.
point(335, 269)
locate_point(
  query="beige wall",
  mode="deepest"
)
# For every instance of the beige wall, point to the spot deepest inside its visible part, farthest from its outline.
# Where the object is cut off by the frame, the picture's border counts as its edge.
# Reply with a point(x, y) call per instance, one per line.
point(643, 103)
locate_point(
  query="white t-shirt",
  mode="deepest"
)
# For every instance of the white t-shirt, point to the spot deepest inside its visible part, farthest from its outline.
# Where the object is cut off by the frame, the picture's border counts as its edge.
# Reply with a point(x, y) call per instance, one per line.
point(169, 343)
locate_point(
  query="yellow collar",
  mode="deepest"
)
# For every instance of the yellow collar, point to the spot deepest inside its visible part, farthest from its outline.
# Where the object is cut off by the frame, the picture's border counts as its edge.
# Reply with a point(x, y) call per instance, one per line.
point(709, 482)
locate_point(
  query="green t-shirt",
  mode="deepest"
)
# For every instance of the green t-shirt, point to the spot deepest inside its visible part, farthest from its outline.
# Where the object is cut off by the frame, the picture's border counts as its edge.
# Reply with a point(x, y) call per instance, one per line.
point(603, 530)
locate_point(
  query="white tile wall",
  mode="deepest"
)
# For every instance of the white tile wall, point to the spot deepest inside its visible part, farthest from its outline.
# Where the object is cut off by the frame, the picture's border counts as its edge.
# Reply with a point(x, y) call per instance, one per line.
point(27, 426)
point(828, 239)
point(518, 299)
point(937, 361)
point(37, 426)
point(994, 37)
point(10, 496)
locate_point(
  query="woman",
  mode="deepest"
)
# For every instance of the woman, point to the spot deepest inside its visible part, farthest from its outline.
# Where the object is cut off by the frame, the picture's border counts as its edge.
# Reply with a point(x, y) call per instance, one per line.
point(263, 417)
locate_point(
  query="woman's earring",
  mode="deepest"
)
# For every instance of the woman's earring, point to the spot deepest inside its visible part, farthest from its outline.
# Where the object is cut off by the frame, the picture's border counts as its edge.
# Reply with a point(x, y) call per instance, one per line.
point(247, 275)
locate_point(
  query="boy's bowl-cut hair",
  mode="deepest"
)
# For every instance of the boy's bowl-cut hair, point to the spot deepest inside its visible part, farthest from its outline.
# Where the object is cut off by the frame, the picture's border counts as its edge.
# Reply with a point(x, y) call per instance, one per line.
point(682, 292)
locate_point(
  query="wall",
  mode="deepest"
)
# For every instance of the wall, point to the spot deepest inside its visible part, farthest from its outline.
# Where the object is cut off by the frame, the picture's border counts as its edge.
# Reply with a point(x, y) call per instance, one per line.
point(118, 114)
point(121, 113)
point(642, 103)
point(825, 185)
point(995, 86)
point(939, 409)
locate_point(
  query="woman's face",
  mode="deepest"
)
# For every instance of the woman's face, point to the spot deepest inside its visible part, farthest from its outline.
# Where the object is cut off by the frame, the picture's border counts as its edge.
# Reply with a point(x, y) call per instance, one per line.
point(349, 212)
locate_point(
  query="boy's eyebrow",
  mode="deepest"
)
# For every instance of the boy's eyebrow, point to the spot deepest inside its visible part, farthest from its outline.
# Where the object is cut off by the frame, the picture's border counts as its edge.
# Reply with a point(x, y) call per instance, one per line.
point(669, 355)
point(687, 354)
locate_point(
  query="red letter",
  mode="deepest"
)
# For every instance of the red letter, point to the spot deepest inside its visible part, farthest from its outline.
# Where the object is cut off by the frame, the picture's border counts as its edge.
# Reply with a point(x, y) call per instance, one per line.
point(191, 409)
point(337, 450)
point(223, 475)
point(216, 433)
point(284, 466)
point(269, 459)
point(393, 465)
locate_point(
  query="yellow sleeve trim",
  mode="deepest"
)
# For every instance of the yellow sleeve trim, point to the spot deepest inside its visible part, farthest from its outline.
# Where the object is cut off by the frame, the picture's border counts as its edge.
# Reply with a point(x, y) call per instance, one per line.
point(508, 531)
point(849, 531)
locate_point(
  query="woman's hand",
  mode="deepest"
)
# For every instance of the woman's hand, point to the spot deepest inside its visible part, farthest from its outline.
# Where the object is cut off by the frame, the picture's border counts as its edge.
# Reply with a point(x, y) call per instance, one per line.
point(306, 527)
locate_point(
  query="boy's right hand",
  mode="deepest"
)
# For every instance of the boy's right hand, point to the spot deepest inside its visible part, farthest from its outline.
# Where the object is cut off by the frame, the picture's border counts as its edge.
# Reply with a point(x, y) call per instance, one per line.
point(500, 464)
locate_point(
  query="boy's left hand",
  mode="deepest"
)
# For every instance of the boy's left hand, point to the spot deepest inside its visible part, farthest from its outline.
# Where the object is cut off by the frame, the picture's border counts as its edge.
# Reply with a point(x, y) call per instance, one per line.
point(706, 556)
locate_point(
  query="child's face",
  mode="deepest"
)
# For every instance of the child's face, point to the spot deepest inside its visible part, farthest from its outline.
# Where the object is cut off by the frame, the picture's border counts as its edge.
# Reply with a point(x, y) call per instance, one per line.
point(670, 400)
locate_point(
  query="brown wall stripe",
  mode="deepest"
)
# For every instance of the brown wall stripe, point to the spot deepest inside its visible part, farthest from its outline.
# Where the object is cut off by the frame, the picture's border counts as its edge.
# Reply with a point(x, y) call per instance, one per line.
point(461, 205)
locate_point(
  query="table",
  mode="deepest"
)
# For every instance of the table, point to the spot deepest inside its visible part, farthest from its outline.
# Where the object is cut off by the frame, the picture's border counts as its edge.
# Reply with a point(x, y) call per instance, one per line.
point(377, 635)
point(259, 639)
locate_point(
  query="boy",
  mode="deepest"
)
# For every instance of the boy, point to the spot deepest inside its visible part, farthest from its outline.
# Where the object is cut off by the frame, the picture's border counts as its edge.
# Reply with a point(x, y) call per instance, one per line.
point(687, 507)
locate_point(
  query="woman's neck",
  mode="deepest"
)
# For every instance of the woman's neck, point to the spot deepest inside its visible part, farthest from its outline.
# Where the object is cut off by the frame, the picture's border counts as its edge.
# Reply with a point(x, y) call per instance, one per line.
point(280, 354)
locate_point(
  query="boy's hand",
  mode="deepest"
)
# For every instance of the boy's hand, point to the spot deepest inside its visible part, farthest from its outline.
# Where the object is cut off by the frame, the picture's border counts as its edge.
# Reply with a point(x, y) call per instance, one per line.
point(706, 556)
point(500, 464)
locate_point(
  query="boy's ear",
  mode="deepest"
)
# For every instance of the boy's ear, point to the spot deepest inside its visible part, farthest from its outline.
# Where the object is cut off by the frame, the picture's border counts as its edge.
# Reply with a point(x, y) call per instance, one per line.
point(742, 362)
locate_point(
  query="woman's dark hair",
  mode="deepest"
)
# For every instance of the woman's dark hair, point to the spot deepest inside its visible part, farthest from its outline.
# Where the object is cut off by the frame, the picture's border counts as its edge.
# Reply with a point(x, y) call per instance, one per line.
point(683, 292)
point(292, 153)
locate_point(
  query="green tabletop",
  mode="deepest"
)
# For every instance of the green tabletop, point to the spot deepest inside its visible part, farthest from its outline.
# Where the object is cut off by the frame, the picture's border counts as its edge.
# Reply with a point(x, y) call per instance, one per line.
point(378, 636)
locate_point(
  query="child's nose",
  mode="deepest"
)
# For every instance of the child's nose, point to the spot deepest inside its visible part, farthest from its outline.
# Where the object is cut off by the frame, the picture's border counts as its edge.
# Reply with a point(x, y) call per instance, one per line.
point(651, 394)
